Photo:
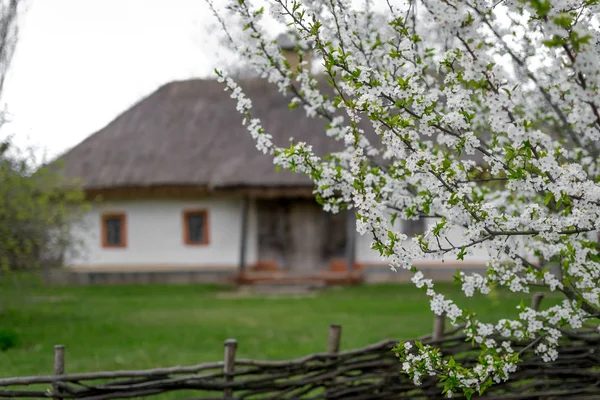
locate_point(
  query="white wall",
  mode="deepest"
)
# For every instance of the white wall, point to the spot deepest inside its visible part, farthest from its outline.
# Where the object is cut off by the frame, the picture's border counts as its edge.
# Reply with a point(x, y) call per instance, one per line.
point(365, 255)
point(155, 237)
point(155, 234)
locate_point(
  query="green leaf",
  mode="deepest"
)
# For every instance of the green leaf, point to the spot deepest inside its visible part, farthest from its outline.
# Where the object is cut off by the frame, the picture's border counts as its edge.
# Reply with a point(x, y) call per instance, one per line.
point(461, 254)
point(563, 20)
point(468, 393)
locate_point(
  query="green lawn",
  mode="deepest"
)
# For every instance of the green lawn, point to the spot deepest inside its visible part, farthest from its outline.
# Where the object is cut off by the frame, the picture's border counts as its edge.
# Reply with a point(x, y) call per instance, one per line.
point(135, 327)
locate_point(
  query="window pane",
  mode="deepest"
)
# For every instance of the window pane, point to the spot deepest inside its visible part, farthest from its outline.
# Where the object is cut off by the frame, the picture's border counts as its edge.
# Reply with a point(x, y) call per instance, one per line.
point(113, 231)
point(196, 224)
point(414, 227)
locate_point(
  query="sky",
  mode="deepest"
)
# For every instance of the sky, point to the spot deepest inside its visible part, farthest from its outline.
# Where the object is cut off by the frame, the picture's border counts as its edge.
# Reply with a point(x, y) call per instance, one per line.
point(80, 63)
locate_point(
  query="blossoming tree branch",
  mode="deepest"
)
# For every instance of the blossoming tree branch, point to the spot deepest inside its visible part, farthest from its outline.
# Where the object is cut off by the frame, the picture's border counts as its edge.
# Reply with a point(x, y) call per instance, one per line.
point(486, 119)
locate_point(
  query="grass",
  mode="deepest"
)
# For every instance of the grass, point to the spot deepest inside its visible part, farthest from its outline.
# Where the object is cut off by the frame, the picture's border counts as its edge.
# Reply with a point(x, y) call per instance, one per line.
point(136, 327)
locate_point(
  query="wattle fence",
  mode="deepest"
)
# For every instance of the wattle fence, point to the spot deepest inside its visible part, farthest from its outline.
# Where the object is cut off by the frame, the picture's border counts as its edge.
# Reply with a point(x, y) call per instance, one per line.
point(371, 372)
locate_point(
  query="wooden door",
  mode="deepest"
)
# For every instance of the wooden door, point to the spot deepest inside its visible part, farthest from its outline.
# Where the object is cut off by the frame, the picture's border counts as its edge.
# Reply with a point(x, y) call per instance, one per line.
point(298, 235)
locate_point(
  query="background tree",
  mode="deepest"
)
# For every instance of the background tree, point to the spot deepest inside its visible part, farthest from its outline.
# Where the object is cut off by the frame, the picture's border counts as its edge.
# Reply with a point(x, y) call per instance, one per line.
point(493, 131)
point(38, 210)
point(9, 12)
point(37, 207)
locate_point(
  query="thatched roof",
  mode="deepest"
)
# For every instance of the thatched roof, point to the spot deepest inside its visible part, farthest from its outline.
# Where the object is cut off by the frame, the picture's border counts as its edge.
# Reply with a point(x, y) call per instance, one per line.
point(189, 133)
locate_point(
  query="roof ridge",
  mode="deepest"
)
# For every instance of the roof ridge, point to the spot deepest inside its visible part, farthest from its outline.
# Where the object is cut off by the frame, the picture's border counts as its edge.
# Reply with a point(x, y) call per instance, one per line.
point(188, 131)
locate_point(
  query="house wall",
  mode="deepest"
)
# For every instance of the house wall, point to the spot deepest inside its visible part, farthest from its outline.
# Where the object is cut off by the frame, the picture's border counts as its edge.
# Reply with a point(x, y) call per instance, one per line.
point(368, 257)
point(155, 235)
point(155, 243)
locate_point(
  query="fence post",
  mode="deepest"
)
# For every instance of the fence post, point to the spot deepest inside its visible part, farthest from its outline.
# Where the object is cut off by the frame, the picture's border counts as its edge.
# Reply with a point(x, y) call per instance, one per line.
point(536, 300)
point(59, 367)
point(333, 347)
point(229, 365)
point(335, 333)
point(439, 322)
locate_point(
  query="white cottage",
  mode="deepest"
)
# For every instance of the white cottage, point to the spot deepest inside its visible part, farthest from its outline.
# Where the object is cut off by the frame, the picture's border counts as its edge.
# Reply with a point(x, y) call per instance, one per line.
point(180, 194)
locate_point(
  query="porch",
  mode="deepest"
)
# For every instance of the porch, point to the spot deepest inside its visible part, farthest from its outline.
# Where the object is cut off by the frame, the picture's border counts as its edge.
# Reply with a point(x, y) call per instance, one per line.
point(283, 278)
point(297, 243)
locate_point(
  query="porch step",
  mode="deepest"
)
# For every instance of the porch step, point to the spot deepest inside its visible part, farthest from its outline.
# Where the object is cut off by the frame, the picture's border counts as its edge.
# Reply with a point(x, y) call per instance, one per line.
point(317, 279)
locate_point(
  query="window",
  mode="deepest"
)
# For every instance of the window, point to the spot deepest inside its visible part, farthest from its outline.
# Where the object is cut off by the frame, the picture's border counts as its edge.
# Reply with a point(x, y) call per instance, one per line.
point(195, 227)
point(114, 230)
point(413, 227)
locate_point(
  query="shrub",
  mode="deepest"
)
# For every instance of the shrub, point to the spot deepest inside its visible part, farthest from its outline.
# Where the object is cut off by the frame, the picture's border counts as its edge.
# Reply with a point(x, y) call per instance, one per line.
point(8, 339)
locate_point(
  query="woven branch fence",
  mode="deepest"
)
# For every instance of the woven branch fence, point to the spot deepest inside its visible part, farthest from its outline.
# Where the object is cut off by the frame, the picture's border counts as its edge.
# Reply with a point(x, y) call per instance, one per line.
point(371, 372)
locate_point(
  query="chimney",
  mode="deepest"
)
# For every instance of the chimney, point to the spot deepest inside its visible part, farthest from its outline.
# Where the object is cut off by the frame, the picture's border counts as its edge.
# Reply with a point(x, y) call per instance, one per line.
point(287, 44)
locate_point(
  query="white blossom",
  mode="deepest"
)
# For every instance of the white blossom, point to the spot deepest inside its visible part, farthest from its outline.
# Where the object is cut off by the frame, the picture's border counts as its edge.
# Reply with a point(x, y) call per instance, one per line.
point(506, 153)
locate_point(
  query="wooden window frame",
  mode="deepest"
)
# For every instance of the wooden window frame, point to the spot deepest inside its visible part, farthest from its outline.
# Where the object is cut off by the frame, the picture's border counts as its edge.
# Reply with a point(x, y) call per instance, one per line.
point(123, 219)
point(186, 230)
